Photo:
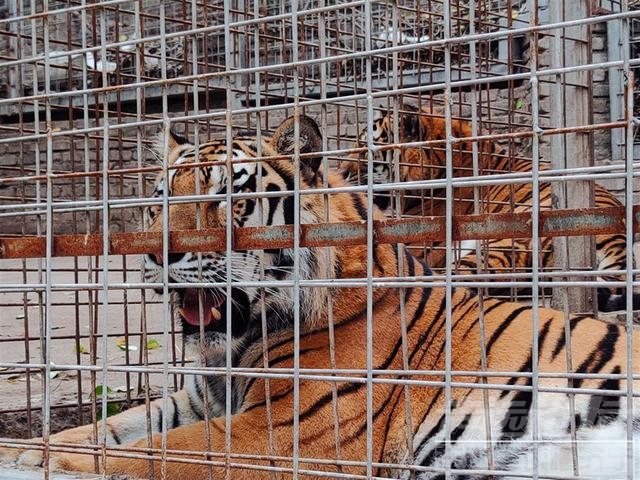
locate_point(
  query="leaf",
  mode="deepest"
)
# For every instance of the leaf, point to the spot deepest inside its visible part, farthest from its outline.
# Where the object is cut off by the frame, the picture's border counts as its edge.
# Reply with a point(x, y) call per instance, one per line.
point(152, 344)
point(112, 409)
point(20, 316)
point(18, 377)
point(121, 389)
point(99, 389)
point(519, 104)
point(124, 345)
point(80, 349)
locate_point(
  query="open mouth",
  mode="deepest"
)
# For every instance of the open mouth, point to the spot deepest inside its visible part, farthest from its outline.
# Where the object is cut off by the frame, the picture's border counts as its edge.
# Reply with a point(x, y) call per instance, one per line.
point(201, 306)
point(209, 308)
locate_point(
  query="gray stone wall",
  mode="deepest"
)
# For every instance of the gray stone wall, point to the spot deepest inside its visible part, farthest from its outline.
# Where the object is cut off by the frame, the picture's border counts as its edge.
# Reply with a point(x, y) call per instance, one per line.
point(75, 175)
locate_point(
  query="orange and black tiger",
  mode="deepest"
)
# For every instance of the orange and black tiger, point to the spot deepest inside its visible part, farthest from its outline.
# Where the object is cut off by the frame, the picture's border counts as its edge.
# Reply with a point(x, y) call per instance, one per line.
point(378, 382)
point(499, 256)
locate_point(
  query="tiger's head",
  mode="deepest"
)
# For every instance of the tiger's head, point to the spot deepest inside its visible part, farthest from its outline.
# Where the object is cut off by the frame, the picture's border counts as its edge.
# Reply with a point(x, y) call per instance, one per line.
point(262, 193)
point(400, 163)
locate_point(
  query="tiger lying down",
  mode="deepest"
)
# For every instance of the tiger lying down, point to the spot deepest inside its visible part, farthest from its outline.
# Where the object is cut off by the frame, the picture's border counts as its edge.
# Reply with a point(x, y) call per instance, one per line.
point(429, 163)
point(482, 427)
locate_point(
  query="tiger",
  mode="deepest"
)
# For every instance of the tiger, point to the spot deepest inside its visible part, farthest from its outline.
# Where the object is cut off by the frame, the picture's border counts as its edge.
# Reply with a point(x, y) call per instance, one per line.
point(497, 256)
point(401, 399)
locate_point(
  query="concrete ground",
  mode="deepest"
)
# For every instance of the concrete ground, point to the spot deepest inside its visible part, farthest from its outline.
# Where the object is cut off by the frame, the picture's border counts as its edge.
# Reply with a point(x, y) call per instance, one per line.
point(20, 474)
point(76, 313)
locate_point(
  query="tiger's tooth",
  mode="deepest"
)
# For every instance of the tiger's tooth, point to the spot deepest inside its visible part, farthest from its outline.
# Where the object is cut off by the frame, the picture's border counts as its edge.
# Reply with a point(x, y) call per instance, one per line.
point(215, 313)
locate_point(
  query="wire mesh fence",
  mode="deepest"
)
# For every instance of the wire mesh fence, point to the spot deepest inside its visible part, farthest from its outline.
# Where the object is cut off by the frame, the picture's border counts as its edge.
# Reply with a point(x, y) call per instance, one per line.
point(147, 283)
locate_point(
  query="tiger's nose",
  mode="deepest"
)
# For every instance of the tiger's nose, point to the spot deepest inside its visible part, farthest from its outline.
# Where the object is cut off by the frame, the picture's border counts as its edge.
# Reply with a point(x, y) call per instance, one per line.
point(173, 258)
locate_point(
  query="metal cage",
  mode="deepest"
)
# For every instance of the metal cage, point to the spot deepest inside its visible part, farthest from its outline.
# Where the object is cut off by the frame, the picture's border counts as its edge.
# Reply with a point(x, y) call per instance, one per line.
point(85, 88)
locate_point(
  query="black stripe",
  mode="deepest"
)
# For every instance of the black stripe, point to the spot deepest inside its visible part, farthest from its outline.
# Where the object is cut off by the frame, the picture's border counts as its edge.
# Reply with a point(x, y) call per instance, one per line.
point(273, 399)
point(159, 419)
point(434, 430)
point(392, 401)
point(288, 200)
point(113, 434)
point(397, 395)
point(279, 359)
point(359, 205)
point(327, 398)
point(427, 411)
point(198, 413)
point(573, 323)
point(272, 201)
point(527, 366)
point(344, 323)
point(486, 311)
point(422, 340)
point(577, 418)
point(439, 449)
point(411, 270)
point(610, 238)
point(393, 407)
point(289, 356)
point(601, 354)
point(473, 305)
point(515, 422)
point(604, 409)
point(175, 421)
point(503, 326)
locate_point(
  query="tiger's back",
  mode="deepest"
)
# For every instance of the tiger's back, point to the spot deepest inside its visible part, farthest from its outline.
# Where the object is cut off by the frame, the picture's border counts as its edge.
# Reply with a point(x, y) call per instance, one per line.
point(499, 256)
point(420, 412)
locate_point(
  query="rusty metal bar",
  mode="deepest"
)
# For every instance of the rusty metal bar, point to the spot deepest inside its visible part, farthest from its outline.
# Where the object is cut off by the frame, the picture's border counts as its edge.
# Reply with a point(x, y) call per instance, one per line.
point(570, 222)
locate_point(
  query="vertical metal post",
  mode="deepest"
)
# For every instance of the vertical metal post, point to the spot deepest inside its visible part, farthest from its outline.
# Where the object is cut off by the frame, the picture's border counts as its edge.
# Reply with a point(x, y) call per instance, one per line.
point(616, 84)
point(14, 72)
point(571, 100)
point(237, 54)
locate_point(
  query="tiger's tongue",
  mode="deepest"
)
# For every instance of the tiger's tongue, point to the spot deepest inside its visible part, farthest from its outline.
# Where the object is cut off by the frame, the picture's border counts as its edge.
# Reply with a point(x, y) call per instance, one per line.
point(191, 307)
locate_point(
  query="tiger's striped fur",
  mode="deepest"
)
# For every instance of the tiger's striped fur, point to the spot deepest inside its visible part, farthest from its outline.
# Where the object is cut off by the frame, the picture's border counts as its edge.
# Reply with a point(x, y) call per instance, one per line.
point(418, 428)
point(498, 256)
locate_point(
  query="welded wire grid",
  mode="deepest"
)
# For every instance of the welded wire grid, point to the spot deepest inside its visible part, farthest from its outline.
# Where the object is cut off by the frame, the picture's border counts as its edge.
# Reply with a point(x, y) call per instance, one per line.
point(84, 88)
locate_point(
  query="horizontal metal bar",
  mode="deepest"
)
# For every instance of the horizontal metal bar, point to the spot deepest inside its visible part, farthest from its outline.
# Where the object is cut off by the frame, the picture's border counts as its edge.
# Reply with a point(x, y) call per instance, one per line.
point(569, 222)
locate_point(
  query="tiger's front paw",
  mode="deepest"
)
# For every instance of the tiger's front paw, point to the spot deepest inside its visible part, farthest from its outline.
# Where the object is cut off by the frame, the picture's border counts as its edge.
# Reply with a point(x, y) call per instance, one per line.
point(31, 453)
point(20, 453)
point(35, 458)
point(9, 455)
point(23, 455)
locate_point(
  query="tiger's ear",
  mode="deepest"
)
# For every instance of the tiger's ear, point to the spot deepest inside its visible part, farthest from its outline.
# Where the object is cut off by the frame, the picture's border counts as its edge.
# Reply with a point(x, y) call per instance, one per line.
point(409, 124)
point(175, 139)
point(310, 140)
point(172, 139)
